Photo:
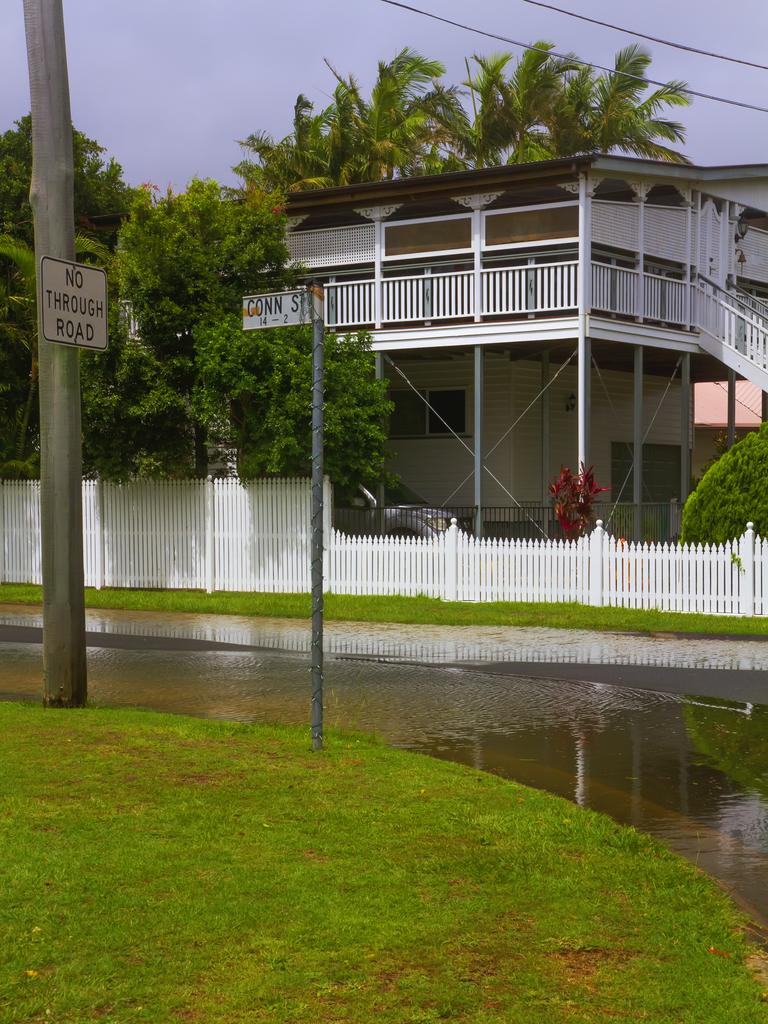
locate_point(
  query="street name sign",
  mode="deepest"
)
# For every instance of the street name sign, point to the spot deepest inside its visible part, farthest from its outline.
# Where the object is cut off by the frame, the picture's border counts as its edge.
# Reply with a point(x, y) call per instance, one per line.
point(276, 309)
point(73, 301)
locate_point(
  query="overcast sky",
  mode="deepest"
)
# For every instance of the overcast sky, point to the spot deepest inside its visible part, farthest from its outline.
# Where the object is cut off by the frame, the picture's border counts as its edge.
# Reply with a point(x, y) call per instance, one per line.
point(168, 86)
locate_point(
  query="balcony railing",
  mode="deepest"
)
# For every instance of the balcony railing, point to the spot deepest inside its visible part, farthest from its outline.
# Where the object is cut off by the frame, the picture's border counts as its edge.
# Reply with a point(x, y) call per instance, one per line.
point(536, 288)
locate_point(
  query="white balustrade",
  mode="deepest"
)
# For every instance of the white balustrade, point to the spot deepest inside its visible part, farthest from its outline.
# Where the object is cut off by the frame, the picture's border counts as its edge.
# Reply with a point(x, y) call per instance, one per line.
point(614, 289)
point(664, 299)
point(349, 304)
point(533, 288)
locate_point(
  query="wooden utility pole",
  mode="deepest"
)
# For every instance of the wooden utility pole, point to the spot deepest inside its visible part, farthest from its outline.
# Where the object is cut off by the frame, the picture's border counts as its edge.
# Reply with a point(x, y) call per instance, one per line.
point(61, 520)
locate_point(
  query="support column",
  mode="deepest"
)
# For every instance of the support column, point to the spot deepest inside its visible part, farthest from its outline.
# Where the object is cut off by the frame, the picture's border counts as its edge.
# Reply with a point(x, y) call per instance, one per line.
point(584, 350)
point(764, 407)
point(687, 194)
point(380, 496)
point(377, 214)
point(637, 441)
point(641, 191)
point(544, 428)
point(685, 427)
point(477, 203)
point(731, 429)
point(478, 433)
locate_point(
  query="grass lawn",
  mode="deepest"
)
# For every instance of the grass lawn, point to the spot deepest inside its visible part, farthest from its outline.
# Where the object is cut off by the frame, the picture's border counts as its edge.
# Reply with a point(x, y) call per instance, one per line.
point(424, 610)
point(166, 869)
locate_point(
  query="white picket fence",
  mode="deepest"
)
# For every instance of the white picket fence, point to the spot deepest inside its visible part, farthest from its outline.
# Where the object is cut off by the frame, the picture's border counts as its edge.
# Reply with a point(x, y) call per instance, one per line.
point(598, 569)
point(224, 535)
point(197, 534)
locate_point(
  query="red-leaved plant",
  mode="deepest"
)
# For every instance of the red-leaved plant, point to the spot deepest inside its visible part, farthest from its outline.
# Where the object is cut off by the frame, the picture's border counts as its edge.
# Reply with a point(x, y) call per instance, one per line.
point(573, 495)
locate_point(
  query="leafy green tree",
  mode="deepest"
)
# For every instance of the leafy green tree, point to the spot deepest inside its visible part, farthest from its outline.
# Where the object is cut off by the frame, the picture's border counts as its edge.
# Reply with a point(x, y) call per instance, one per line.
point(19, 423)
point(258, 383)
point(100, 192)
point(183, 260)
point(730, 494)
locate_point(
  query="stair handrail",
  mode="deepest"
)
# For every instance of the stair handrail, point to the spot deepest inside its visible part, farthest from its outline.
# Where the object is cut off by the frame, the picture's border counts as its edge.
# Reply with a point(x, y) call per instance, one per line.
point(734, 295)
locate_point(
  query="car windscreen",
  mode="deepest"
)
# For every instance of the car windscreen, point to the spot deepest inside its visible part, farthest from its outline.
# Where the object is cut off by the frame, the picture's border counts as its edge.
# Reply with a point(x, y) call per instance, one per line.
point(399, 494)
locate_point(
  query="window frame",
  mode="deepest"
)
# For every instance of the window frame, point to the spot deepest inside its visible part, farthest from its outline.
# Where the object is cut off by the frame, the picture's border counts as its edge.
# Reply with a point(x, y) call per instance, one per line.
point(425, 393)
point(565, 240)
point(427, 252)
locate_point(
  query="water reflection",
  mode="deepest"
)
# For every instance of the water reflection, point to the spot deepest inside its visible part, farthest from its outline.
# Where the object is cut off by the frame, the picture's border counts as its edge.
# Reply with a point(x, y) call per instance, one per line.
point(693, 772)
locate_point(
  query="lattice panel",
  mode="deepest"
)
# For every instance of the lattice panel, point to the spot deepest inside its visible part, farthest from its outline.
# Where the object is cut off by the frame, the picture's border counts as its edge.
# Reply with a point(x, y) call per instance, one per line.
point(615, 224)
point(754, 245)
point(333, 247)
point(665, 232)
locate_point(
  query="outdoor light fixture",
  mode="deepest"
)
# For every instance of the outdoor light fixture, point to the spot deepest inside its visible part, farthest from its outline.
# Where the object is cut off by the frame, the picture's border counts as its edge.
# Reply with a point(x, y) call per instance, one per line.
point(570, 402)
point(741, 227)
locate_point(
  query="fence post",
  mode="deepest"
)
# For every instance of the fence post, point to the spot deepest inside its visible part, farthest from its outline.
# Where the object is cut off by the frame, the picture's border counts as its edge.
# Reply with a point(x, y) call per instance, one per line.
point(596, 542)
point(2, 531)
point(452, 562)
point(747, 555)
point(209, 555)
point(98, 527)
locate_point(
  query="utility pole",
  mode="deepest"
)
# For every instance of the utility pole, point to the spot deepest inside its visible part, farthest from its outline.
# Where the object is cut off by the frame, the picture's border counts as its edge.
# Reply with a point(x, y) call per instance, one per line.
point(316, 296)
point(61, 520)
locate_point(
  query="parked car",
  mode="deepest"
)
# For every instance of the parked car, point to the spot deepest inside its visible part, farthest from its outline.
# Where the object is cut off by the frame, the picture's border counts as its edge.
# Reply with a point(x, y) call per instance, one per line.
point(404, 514)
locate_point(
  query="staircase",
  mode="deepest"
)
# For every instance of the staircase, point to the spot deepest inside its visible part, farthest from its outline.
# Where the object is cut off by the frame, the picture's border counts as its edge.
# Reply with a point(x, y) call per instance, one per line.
point(734, 329)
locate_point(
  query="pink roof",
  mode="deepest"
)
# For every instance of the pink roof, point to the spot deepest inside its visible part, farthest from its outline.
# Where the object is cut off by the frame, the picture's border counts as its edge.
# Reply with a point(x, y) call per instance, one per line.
point(711, 404)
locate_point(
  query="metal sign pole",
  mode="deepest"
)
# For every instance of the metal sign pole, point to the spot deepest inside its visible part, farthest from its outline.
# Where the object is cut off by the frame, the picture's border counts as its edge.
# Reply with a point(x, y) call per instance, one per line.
point(315, 296)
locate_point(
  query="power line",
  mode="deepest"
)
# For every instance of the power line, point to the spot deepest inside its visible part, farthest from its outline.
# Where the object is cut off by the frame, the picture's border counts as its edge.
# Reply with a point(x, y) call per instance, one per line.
point(570, 57)
point(643, 35)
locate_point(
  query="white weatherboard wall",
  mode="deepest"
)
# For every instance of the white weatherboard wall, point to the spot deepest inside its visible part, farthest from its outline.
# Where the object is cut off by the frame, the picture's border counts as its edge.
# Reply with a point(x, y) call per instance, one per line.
point(433, 466)
point(197, 534)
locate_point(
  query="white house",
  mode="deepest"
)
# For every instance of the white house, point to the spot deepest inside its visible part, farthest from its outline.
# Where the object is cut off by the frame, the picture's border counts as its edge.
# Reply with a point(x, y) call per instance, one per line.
point(547, 314)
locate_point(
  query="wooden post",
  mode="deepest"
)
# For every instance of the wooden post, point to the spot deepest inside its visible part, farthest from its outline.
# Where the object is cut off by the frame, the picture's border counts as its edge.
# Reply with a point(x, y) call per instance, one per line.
point(685, 427)
point(637, 445)
point(61, 505)
point(479, 380)
point(731, 428)
point(584, 357)
point(544, 427)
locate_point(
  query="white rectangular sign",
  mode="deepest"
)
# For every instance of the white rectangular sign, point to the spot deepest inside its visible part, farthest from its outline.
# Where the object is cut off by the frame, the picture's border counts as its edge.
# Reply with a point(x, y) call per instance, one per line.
point(73, 301)
point(276, 309)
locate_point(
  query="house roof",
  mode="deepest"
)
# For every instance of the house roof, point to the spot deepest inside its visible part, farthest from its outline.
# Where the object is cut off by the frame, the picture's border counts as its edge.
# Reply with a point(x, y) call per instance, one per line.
point(743, 183)
point(711, 405)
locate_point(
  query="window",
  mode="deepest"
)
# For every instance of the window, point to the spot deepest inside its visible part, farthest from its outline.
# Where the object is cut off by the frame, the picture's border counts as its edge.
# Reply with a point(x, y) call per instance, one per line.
point(524, 227)
point(661, 471)
point(416, 237)
point(411, 416)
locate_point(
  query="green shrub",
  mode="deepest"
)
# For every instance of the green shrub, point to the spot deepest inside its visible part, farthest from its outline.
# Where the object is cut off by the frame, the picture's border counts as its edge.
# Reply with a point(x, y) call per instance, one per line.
point(732, 492)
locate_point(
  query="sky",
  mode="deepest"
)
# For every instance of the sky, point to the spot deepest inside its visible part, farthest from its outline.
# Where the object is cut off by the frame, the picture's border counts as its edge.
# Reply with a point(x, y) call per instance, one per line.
point(169, 86)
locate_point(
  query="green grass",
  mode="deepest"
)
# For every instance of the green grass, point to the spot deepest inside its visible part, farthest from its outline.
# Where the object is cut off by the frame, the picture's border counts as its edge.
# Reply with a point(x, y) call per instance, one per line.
point(424, 610)
point(168, 870)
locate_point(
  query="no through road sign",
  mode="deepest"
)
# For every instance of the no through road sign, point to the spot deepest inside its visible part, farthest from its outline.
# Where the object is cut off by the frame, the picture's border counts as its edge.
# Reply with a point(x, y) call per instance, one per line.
point(73, 302)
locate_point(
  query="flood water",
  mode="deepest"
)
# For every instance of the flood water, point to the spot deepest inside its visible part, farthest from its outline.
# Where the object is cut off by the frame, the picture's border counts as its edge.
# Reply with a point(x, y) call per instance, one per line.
point(691, 771)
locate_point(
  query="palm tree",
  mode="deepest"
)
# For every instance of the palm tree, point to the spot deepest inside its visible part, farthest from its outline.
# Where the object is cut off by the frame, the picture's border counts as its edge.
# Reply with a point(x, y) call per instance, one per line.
point(298, 161)
point(609, 111)
point(392, 132)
